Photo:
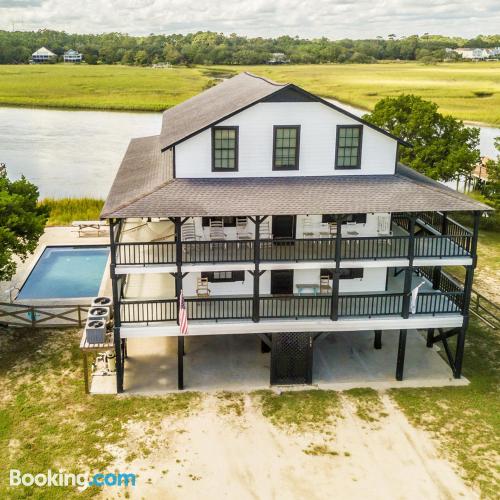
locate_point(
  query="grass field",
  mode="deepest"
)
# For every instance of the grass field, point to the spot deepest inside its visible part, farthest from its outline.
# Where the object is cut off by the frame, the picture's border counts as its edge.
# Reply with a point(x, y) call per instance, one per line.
point(63, 211)
point(468, 91)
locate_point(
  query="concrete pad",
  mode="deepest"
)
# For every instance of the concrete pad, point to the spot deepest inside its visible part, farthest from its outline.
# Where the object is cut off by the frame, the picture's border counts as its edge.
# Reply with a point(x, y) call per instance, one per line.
point(342, 360)
point(103, 384)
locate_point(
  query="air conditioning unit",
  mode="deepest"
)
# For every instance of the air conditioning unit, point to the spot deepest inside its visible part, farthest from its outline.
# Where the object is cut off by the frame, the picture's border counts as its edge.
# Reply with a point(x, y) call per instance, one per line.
point(103, 302)
point(95, 331)
point(99, 312)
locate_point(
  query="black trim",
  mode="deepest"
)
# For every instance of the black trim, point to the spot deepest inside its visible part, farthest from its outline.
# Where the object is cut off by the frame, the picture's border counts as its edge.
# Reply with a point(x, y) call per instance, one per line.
point(360, 147)
point(297, 147)
point(234, 276)
point(228, 221)
point(236, 149)
point(344, 273)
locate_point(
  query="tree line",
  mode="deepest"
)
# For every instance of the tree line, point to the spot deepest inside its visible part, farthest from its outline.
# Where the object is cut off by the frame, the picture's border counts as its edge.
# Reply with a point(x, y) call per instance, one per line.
point(207, 47)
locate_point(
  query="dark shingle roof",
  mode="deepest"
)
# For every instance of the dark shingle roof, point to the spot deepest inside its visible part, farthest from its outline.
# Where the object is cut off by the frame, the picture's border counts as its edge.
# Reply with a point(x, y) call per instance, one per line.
point(405, 191)
point(213, 105)
point(144, 168)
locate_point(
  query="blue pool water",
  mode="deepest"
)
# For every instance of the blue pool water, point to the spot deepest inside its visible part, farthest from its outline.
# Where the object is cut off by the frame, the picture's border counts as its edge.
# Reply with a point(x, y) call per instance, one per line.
point(66, 272)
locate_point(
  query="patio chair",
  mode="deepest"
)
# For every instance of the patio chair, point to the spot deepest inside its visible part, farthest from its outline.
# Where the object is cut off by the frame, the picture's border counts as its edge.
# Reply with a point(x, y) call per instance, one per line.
point(324, 285)
point(265, 234)
point(202, 290)
point(189, 232)
point(333, 229)
point(242, 232)
point(307, 229)
point(384, 225)
point(217, 230)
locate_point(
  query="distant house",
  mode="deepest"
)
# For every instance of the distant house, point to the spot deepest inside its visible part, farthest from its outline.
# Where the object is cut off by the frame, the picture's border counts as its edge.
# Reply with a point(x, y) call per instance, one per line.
point(476, 54)
point(72, 56)
point(43, 55)
point(278, 58)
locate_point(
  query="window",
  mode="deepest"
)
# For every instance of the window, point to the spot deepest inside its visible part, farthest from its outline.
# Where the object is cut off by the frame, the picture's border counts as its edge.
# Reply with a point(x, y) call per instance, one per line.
point(345, 274)
point(228, 221)
point(286, 144)
point(224, 276)
point(349, 139)
point(224, 149)
point(358, 218)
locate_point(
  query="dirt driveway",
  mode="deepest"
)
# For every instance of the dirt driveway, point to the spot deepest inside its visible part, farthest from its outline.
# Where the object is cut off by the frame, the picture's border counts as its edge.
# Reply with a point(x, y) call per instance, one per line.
point(229, 449)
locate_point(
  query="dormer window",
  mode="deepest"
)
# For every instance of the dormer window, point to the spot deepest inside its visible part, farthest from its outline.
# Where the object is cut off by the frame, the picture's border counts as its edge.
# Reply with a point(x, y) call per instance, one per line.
point(286, 147)
point(224, 149)
point(348, 150)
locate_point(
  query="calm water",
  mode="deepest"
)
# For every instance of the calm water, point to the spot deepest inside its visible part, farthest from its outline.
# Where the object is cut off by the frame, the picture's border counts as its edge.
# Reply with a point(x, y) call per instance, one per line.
point(77, 153)
point(66, 272)
point(69, 153)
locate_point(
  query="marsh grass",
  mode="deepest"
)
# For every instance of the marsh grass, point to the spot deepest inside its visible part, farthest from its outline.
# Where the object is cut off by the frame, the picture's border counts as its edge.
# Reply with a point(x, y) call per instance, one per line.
point(47, 421)
point(63, 211)
point(300, 410)
point(466, 90)
point(465, 420)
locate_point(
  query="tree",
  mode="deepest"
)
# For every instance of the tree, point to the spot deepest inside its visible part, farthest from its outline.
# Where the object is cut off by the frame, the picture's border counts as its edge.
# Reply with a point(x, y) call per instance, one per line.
point(22, 222)
point(492, 187)
point(443, 147)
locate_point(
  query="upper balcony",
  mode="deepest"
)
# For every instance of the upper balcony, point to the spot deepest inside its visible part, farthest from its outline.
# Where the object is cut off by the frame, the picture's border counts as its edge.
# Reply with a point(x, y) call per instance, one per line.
point(307, 240)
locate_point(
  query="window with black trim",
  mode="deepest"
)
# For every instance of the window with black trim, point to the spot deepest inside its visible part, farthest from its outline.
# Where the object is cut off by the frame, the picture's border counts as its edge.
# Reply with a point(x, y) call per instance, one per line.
point(345, 274)
point(286, 145)
point(348, 146)
point(358, 218)
point(228, 221)
point(224, 149)
point(224, 276)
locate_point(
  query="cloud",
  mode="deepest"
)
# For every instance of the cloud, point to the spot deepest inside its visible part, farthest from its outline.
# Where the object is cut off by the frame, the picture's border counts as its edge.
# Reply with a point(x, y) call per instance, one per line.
point(314, 18)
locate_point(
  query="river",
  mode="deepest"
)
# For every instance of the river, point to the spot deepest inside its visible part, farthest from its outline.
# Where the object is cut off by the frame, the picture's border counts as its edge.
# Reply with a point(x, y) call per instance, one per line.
point(77, 153)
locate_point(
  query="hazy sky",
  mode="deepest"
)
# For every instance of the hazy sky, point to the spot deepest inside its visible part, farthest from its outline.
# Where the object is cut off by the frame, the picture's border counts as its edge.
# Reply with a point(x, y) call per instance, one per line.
point(306, 18)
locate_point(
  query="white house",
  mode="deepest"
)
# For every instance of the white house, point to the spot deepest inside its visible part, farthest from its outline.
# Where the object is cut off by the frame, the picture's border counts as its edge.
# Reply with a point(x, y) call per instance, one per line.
point(43, 55)
point(72, 56)
point(282, 215)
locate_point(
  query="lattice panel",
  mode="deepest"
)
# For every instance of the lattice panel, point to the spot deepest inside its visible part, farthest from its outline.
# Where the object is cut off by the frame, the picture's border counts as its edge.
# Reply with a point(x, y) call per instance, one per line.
point(291, 358)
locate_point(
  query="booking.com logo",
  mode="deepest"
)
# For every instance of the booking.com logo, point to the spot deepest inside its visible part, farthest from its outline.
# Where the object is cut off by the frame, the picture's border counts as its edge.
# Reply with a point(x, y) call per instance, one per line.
point(60, 478)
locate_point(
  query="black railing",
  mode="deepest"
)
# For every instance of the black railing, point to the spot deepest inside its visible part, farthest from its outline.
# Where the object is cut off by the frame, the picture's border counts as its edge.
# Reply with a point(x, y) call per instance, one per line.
point(373, 247)
point(386, 304)
point(145, 253)
point(289, 307)
point(442, 246)
point(219, 308)
point(289, 249)
point(148, 311)
point(439, 303)
point(217, 251)
point(295, 306)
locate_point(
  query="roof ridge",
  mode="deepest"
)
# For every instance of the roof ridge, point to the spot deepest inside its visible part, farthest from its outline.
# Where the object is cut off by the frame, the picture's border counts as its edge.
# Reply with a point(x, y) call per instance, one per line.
point(267, 80)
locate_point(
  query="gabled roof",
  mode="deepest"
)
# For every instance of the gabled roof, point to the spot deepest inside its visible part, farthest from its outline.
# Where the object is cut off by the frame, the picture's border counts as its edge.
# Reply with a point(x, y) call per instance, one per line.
point(145, 187)
point(228, 98)
point(43, 51)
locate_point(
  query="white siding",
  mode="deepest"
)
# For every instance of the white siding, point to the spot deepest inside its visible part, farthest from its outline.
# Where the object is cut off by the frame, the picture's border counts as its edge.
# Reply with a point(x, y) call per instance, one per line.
point(317, 143)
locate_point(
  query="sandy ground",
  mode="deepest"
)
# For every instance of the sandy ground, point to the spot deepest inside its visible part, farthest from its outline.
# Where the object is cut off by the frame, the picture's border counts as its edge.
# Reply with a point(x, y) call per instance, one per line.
point(225, 455)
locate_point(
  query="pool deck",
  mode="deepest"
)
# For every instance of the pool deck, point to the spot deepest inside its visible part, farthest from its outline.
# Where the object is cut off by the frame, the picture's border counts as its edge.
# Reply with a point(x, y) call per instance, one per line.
point(54, 236)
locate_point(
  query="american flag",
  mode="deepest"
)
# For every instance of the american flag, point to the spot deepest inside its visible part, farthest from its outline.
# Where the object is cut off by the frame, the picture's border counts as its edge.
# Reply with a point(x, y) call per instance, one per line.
point(183, 319)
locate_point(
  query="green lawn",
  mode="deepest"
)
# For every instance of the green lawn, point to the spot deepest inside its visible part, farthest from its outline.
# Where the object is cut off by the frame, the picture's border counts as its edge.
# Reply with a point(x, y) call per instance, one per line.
point(468, 91)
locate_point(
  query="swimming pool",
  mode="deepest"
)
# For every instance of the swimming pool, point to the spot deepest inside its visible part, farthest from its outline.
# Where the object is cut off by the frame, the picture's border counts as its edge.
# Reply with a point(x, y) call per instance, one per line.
point(66, 272)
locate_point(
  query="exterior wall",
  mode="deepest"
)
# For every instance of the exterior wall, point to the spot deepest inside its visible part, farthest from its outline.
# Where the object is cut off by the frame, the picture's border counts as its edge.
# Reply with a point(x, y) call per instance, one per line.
point(317, 144)
point(373, 281)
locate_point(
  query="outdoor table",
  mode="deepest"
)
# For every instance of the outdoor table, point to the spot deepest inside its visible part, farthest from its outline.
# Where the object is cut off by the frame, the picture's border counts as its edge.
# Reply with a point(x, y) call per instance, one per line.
point(308, 286)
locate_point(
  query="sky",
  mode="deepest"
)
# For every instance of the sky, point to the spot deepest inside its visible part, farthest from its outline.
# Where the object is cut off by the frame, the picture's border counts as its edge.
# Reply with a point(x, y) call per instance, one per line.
point(334, 19)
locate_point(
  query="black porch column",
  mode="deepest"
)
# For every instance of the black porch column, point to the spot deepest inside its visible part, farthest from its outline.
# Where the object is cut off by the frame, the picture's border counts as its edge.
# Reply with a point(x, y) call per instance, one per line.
point(178, 288)
point(401, 355)
point(256, 271)
point(334, 306)
point(116, 302)
point(430, 337)
point(409, 269)
point(377, 342)
point(469, 277)
point(436, 272)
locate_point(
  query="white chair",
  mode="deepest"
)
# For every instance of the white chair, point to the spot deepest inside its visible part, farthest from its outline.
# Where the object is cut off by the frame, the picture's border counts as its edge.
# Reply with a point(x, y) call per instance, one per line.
point(384, 225)
point(189, 232)
point(307, 229)
point(242, 231)
point(217, 230)
point(202, 290)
